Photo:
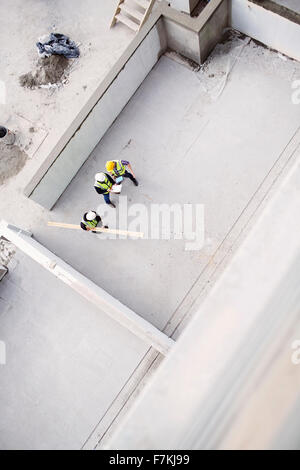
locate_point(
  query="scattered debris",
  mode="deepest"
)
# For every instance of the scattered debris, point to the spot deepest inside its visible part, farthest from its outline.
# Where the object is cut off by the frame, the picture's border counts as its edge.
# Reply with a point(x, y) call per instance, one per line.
point(58, 44)
point(180, 59)
point(281, 56)
point(52, 67)
point(214, 74)
point(128, 144)
point(51, 72)
point(12, 160)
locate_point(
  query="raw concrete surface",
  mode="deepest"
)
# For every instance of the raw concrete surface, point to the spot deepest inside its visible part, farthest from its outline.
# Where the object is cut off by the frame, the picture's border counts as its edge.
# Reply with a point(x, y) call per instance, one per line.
point(209, 137)
point(291, 4)
point(65, 361)
point(220, 130)
point(12, 160)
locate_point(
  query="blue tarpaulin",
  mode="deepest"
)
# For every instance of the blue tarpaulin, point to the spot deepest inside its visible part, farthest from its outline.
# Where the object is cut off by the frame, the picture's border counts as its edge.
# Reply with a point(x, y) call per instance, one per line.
point(58, 44)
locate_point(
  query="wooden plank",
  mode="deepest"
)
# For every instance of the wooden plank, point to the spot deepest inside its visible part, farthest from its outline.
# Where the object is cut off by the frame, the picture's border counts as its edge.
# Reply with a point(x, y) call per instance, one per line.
point(142, 3)
point(97, 229)
point(118, 9)
point(147, 13)
point(132, 12)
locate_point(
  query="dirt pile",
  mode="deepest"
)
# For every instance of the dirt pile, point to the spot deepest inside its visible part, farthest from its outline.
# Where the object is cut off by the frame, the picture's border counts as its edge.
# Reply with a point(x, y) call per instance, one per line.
point(12, 160)
point(50, 70)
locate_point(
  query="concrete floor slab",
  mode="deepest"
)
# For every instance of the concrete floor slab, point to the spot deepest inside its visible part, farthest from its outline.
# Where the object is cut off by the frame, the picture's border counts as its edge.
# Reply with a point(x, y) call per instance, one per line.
point(65, 361)
point(209, 137)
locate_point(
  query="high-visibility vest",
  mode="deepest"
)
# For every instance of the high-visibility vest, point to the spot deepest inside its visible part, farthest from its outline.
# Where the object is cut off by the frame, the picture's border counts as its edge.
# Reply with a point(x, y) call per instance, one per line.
point(105, 185)
point(119, 169)
point(90, 223)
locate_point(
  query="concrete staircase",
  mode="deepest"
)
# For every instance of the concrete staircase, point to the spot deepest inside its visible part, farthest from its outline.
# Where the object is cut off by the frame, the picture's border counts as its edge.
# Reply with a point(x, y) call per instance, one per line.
point(132, 13)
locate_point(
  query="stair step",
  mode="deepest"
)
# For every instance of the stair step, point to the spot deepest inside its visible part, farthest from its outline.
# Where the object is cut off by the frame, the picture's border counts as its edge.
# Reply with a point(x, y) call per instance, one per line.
point(131, 11)
point(131, 24)
point(143, 3)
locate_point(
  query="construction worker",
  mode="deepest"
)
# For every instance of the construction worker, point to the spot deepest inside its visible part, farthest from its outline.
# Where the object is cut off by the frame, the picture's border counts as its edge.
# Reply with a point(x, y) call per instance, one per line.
point(103, 185)
point(91, 220)
point(117, 168)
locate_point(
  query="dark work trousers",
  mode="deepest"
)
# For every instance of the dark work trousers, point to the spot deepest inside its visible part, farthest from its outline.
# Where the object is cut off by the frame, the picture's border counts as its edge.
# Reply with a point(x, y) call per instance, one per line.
point(127, 174)
point(107, 198)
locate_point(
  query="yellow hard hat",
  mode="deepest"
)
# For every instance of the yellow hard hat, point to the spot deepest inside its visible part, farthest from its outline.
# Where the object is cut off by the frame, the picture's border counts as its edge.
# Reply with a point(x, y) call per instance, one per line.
point(110, 165)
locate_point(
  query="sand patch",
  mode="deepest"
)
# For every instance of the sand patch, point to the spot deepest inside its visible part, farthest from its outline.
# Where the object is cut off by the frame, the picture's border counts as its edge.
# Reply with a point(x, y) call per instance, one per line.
point(12, 160)
point(50, 71)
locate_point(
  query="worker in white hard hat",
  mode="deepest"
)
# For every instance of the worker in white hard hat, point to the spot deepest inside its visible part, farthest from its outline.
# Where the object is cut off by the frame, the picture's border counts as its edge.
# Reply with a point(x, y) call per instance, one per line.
point(103, 184)
point(91, 220)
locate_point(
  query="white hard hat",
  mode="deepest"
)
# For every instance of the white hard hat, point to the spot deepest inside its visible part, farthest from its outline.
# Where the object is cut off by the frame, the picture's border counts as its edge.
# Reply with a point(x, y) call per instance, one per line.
point(90, 215)
point(100, 177)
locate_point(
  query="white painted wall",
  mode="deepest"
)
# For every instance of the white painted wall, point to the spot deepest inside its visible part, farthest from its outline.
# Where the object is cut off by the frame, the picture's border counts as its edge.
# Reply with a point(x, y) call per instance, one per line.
point(267, 27)
point(183, 40)
point(99, 120)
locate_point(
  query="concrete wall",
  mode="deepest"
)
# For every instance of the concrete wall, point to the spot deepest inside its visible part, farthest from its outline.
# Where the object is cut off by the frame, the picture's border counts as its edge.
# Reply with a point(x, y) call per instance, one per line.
point(184, 5)
point(212, 31)
point(266, 26)
point(195, 38)
point(182, 40)
point(100, 118)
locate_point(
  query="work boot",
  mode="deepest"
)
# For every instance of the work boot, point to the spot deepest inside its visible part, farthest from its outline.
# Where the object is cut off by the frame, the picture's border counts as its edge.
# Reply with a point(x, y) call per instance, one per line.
point(112, 205)
point(135, 182)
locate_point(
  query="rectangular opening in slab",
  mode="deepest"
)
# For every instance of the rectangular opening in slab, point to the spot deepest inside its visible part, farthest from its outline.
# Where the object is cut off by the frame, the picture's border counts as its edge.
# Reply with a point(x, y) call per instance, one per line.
point(216, 138)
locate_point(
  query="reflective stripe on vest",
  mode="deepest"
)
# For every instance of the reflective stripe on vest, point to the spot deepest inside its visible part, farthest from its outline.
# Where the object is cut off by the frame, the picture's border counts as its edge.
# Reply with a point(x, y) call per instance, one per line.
point(120, 168)
point(90, 223)
point(106, 185)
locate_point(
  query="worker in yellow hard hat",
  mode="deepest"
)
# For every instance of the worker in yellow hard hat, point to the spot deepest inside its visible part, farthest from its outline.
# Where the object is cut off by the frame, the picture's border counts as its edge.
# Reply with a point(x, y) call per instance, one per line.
point(117, 168)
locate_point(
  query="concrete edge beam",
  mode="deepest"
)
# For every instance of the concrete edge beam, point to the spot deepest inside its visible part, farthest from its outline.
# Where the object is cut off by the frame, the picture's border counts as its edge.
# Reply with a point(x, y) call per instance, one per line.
point(87, 289)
